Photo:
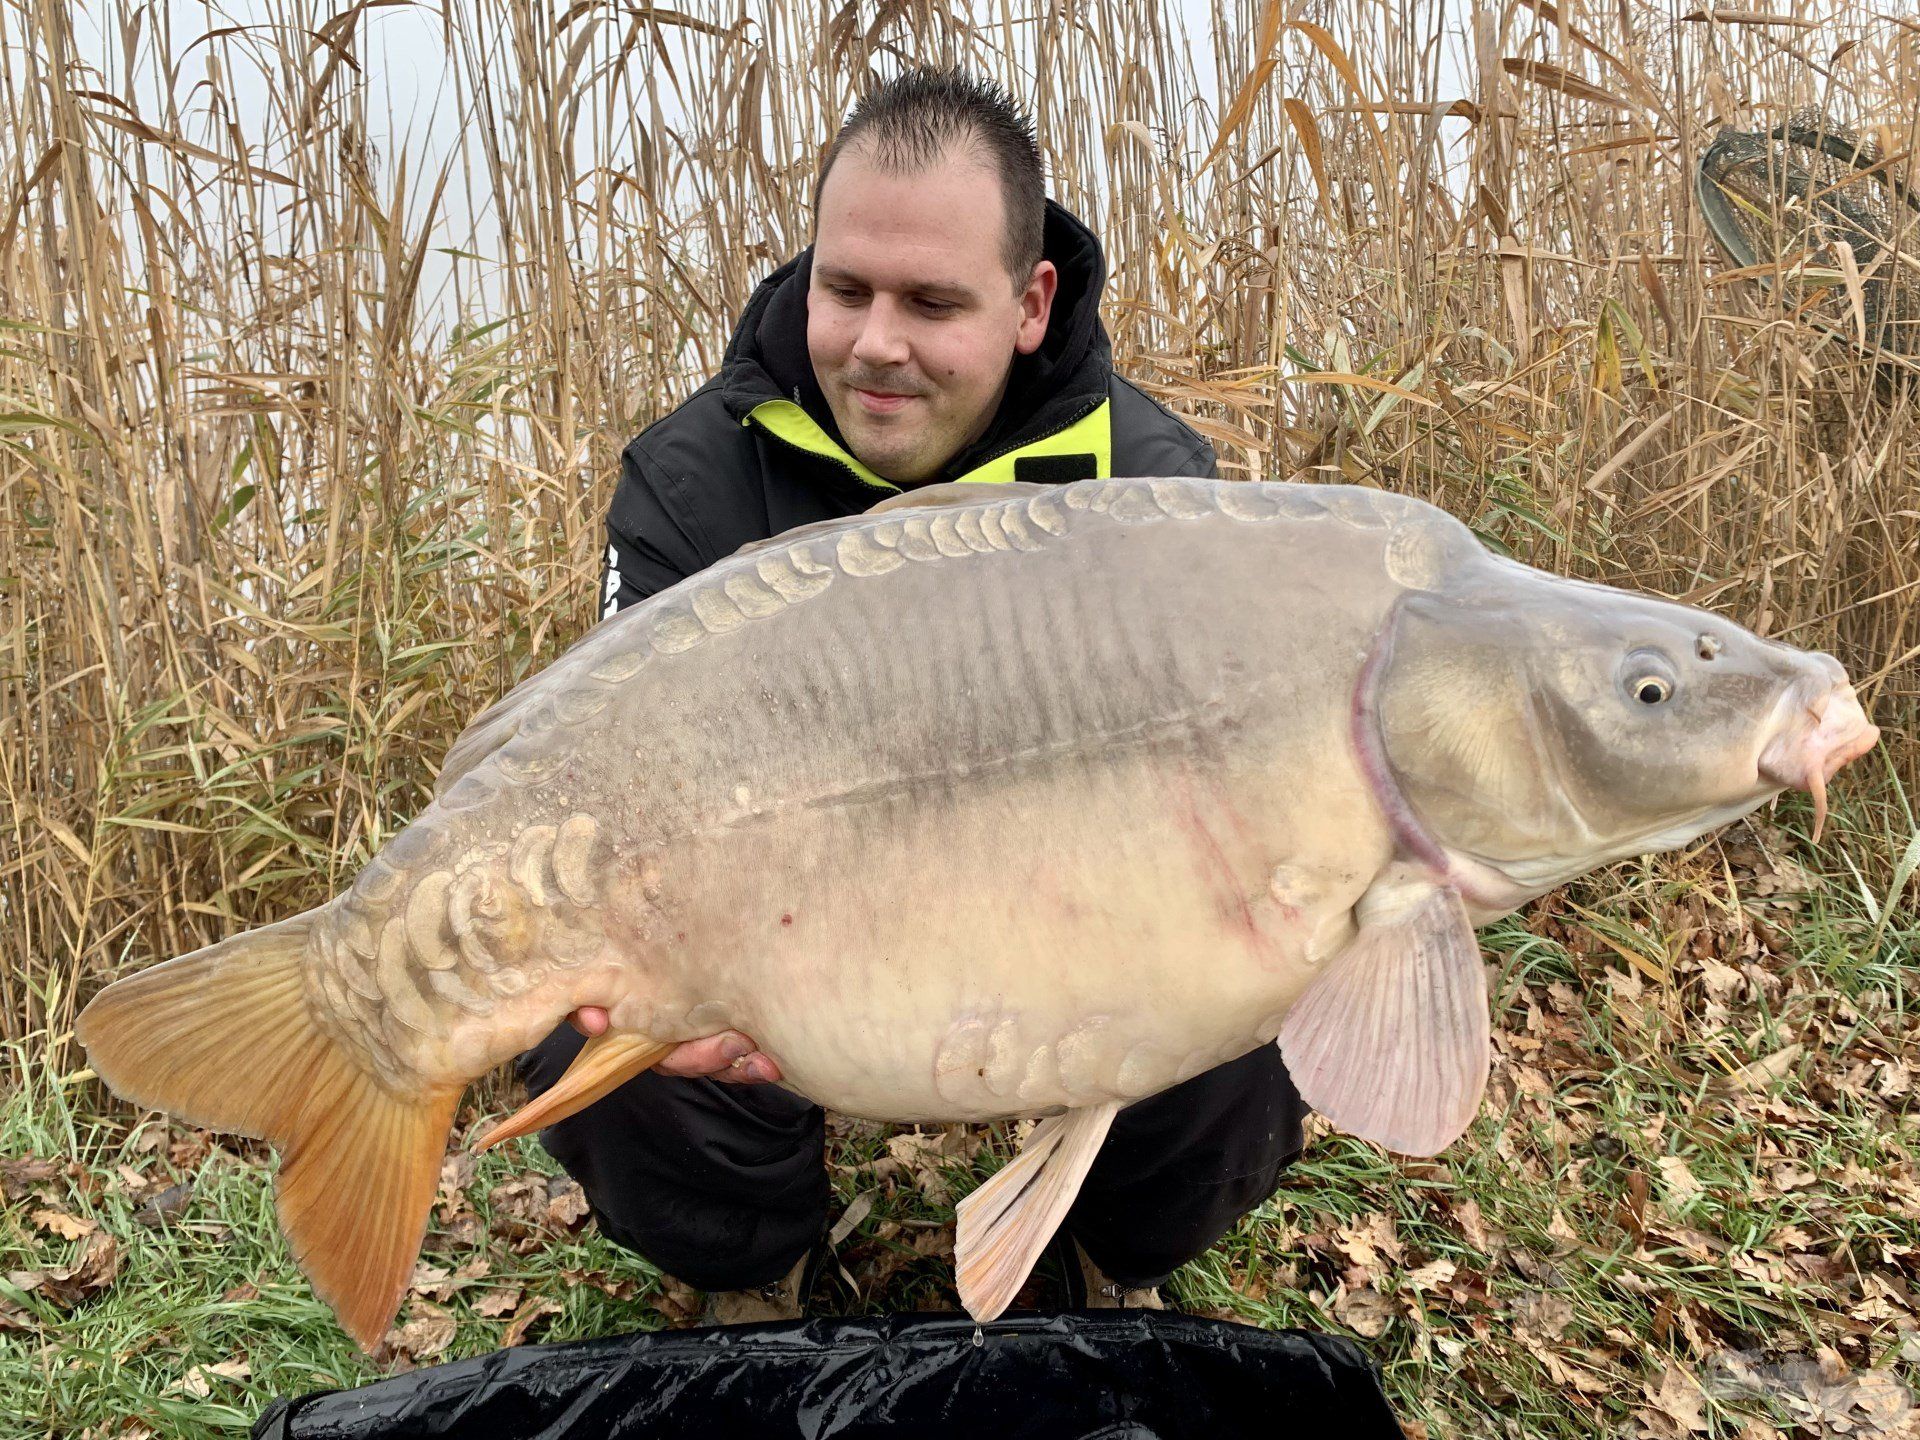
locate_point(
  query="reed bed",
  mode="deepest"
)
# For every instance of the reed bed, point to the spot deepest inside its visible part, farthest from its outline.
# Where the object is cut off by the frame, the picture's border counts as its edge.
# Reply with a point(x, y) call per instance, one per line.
point(302, 464)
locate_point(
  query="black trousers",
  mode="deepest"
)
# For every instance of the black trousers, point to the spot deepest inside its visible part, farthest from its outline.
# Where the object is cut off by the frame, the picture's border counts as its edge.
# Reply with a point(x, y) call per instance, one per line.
point(725, 1186)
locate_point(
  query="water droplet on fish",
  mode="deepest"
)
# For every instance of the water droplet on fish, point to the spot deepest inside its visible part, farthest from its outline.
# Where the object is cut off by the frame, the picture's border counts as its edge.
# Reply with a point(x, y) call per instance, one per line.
point(979, 1337)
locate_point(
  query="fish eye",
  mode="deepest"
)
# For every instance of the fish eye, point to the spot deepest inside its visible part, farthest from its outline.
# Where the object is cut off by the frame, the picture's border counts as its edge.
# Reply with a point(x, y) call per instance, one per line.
point(1647, 677)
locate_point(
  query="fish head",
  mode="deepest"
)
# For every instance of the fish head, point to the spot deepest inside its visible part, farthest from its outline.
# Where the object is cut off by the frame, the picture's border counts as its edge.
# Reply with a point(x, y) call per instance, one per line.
point(1540, 727)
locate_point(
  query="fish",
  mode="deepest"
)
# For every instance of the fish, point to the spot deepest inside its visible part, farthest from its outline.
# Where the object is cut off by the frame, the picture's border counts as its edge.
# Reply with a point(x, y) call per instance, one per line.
point(995, 800)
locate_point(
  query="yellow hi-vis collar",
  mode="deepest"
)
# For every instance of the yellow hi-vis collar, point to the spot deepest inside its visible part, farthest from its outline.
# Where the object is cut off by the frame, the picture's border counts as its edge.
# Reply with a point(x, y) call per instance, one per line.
point(1091, 435)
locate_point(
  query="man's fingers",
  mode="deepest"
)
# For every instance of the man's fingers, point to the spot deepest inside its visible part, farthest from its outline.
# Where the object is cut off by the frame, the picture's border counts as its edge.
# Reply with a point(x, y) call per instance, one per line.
point(589, 1020)
point(711, 1056)
point(756, 1069)
point(728, 1056)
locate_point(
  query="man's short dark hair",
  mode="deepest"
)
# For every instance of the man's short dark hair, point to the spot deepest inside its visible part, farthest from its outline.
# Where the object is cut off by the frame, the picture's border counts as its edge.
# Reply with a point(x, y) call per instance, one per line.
point(909, 122)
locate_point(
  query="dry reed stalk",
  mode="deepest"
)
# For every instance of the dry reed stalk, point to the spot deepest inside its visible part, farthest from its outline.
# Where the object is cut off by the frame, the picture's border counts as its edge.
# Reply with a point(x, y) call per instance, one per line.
point(272, 532)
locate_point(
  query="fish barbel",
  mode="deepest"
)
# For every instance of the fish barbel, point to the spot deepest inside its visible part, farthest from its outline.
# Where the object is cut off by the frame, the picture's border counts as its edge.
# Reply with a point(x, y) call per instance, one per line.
point(997, 800)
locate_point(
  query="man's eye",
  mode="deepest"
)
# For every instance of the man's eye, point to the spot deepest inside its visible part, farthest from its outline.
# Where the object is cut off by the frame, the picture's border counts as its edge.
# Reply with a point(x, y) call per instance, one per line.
point(938, 307)
point(841, 292)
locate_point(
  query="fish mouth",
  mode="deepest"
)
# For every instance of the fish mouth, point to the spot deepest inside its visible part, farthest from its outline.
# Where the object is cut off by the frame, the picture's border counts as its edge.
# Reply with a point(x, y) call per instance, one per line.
point(1823, 734)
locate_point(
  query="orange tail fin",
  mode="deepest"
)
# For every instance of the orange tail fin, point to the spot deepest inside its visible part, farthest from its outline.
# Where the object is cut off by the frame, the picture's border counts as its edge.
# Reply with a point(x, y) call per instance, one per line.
point(225, 1038)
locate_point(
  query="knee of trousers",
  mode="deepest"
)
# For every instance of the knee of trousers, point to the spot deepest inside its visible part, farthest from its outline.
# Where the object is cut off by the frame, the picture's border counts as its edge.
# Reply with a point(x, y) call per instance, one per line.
point(1141, 1246)
point(723, 1187)
point(736, 1252)
point(712, 1241)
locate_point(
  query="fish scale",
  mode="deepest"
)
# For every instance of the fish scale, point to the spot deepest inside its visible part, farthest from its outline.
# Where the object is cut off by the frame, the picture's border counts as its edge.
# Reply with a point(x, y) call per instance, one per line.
point(999, 800)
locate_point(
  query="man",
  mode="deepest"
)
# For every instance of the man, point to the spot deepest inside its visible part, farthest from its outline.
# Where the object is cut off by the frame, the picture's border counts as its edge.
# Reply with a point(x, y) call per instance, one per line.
point(943, 326)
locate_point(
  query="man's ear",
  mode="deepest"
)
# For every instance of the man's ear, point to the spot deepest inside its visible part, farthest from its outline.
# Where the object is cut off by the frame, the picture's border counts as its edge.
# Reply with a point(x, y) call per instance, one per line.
point(1036, 305)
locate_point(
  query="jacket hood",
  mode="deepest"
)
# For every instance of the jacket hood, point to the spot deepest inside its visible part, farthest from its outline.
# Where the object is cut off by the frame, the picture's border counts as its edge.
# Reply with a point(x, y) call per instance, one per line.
point(1058, 383)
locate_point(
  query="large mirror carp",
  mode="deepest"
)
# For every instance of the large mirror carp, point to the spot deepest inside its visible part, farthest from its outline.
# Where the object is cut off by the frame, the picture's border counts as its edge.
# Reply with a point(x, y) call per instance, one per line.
point(997, 800)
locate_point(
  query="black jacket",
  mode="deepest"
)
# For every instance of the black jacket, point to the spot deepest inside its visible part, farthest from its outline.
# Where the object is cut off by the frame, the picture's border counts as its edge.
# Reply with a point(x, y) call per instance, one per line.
point(755, 450)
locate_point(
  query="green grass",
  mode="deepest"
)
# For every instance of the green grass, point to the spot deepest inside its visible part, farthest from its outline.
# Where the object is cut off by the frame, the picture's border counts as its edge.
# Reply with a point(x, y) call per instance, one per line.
point(1620, 1228)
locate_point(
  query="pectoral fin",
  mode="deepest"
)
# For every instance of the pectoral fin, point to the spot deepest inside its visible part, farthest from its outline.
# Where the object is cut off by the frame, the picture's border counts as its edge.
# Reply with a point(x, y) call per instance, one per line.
point(1392, 1042)
point(604, 1063)
point(1006, 1223)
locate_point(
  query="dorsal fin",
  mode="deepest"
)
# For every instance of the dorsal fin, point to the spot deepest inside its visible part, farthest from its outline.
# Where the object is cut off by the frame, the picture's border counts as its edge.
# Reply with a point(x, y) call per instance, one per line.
point(494, 726)
point(485, 733)
point(959, 492)
point(927, 497)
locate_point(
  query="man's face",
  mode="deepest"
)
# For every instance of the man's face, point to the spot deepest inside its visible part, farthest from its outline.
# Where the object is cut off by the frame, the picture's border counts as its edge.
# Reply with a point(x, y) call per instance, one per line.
point(912, 318)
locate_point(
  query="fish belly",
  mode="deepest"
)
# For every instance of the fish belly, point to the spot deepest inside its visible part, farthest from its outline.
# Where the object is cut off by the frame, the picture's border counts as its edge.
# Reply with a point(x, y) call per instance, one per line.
point(1040, 941)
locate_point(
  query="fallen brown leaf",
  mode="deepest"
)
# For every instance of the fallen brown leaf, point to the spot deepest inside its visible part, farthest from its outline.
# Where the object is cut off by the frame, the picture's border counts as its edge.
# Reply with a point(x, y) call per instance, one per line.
point(525, 1317)
point(456, 1173)
point(519, 1206)
point(567, 1205)
point(1561, 1230)
point(189, 1149)
point(198, 1382)
point(59, 1222)
point(1466, 1214)
point(1677, 1184)
point(679, 1303)
point(1541, 1315)
point(1431, 1275)
point(497, 1302)
point(1679, 1407)
point(1368, 1239)
point(620, 1289)
point(16, 1175)
point(194, 1383)
point(431, 1281)
point(94, 1270)
point(1365, 1311)
point(861, 1207)
point(920, 1157)
point(428, 1332)
point(458, 1234)
point(158, 1209)
point(1575, 1377)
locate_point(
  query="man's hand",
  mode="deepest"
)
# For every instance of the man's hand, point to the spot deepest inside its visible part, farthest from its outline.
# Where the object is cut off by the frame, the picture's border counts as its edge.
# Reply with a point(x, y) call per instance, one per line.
point(728, 1057)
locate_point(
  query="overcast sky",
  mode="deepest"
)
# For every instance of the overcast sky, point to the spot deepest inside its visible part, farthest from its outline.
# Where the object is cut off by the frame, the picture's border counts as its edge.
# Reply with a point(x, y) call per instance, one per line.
point(413, 105)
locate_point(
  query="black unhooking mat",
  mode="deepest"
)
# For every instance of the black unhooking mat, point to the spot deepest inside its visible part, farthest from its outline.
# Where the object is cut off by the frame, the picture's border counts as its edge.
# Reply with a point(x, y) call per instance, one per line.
point(1079, 1375)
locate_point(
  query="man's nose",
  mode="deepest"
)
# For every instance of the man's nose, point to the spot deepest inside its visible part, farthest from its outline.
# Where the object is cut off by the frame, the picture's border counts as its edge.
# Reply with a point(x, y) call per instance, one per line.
point(882, 339)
